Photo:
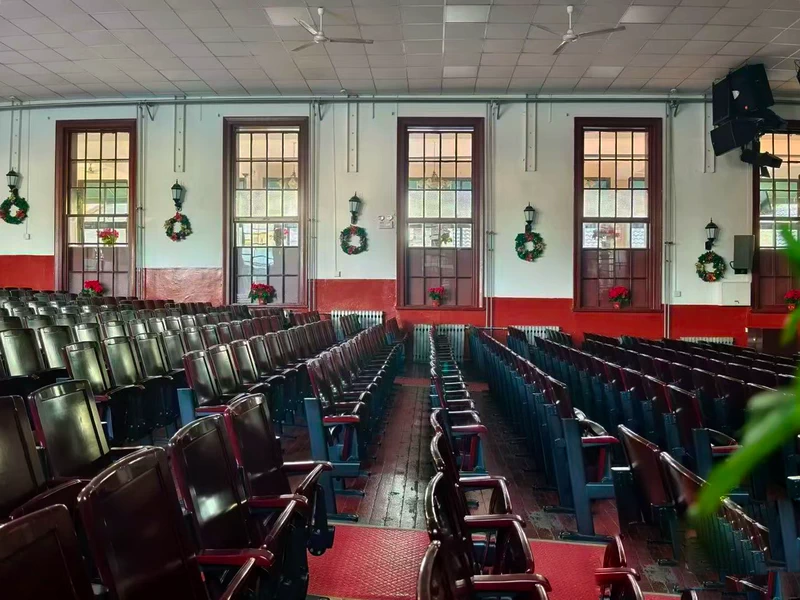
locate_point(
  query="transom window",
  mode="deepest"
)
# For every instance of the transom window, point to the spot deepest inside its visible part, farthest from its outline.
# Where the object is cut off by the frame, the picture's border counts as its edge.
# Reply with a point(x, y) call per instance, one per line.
point(267, 211)
point(617, 185)
point(96, 174)
point(440, 200)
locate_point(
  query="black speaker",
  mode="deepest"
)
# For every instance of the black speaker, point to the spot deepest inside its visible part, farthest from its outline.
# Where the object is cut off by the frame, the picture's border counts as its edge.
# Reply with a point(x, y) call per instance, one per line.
point(733, 134)
point(743, 246)
point(721, 101)
point(752, 85)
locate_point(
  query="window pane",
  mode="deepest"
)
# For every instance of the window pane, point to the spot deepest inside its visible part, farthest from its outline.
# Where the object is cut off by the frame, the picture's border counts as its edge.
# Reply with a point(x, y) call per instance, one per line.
point(242, 204)
point(624, 200)
point(638, 235)
point(590, 235)
point(607, 203)
point(290, 205)
point(415, 204)
point(591, 203)
point(448, 204)
point(259, 203)
point(415, 235)
point(464, 205)
point(416, 147)
point(431, 204)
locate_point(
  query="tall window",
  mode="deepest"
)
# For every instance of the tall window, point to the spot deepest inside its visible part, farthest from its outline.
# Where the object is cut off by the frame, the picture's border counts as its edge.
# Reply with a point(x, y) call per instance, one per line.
point(267, 209)
point(440, 163)
point(776, 207)
point(95, 183)
point(617, 211)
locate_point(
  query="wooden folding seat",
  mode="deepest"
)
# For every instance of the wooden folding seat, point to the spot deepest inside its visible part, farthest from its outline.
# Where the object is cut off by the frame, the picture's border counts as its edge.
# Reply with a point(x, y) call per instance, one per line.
point(464, 431)
point(732, 404)
point(223, 518)
point(266, 474)
point(112, 329)
point(763, 377)
point(141, 546)
point(24, 364)
point(188, 320)
point(52, 340)
point(172, 323)
point(108, 315)
point(193, 339)
point(69, 430)
point(210, 335)
point(249, 329)
point(174, 348)
point(160, 380)
point(67, 319)
point(236, 331)
point(224, 333)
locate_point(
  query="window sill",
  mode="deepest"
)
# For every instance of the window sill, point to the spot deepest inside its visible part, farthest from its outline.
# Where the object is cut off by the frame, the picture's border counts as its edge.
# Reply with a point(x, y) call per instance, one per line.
point(445, 308)
point(770, 311)
point(638, 311)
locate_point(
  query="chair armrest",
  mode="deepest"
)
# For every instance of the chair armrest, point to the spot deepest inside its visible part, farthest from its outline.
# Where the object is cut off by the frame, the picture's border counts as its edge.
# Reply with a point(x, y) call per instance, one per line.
point(720, 439)
point(65, 493)
point(476, 429)
point(123, 451)
point(352, 406)
point(305, 466)
point(723, 450)
point(261, 556)
point(608, 575)
point(500, 502)
point(531, 583)
point(275, 502)
point(341, 420)
point(211, 410)
point(593, 427)
point(275, 379)
point(459, 405)
point(237, 584)
point(283, 521)
point(491, 521)
point(598, 440)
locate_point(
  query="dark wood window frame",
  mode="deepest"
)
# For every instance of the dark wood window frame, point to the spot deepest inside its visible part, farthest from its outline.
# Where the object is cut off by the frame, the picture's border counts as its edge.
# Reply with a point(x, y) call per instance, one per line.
point(229, 126)
point(655, 165)
point(64, 130)
point(478, 161)
point(793, 127)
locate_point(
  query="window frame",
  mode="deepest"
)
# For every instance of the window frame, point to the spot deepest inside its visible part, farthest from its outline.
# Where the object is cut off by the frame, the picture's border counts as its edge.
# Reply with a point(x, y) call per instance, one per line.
point(478, 161)
point(64, 130)
point(654, 126)
point(793, 127)
point(230, 126)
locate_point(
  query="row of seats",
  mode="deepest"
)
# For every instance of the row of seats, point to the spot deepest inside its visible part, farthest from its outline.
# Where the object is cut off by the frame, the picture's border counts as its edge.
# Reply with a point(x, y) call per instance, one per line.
point(487, 554)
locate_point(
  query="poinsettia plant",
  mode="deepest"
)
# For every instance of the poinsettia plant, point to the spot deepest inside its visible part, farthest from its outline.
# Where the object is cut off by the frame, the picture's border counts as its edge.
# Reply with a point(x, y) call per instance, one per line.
point(92, 287)
point(264, 293)
point(436, 294)
point(108, 236)
point(792, 297)
point(619, 295)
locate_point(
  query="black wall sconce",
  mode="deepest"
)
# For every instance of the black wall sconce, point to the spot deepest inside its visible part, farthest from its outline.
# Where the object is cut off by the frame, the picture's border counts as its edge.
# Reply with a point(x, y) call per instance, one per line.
point(177, 195)
point(355, 209)
point(12, 177)
point(530, 217)
point(712, 230)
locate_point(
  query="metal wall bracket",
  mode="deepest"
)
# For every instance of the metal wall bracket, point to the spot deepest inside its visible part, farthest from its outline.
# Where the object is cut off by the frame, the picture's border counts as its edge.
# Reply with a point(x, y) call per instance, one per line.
point(14, 153)
point(709, 160)
point(531, 113)
point(179, 144)
point(352, 137)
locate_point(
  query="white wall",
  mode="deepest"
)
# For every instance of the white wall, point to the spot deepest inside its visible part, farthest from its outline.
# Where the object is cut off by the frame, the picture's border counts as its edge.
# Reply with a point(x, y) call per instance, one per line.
point(723, 194)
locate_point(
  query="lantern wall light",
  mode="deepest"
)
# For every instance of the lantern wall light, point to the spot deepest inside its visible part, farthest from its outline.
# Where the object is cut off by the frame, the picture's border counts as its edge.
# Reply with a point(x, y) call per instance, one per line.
point(177, 194)
point(12, 178)
point(530, 217)
point(355, 208)
point(712, 230)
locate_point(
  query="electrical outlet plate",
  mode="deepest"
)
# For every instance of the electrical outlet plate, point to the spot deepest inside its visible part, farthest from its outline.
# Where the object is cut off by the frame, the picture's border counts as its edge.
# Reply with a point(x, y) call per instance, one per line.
point(386, 222)
point(27, 236)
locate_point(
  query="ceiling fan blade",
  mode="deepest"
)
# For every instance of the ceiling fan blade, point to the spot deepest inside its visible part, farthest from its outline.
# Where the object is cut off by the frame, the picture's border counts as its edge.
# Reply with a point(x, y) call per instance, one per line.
point(601, 31)
point(307, 27)
point(349, 41)
point(304, 46)
point(560, 47)
point(547, 29)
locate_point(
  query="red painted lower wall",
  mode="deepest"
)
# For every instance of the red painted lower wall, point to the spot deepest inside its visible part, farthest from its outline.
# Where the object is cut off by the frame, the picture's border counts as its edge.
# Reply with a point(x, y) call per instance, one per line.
point(28, 270)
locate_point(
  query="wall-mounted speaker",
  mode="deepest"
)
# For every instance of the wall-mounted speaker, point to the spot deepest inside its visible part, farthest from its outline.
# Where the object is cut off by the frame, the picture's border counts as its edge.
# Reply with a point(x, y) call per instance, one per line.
point(743, 246)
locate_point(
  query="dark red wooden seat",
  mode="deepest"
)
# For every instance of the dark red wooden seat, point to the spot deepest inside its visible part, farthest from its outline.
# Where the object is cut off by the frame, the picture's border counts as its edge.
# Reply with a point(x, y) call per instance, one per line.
point(652, 495)
point(40, 558)
point(223, 517)
point(25, 487)
point(142, 550)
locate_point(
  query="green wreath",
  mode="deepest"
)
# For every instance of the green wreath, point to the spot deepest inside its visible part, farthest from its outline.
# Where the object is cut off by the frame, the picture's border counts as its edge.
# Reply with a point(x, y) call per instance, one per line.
point(185, 230)
point(19, 215)
point(347, 234)
point(717, 263)
point(522, 250)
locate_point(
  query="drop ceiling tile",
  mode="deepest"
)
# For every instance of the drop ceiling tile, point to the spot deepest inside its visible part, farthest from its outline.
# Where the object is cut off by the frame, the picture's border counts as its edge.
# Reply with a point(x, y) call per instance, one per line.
point(147, 76)
point(574, 60)
point(359, 86)
point(781, 50)
point(424, 73)
point(7, 29)
point(601, 13)
point(338, 31)
point(67, 90)
point(463, 46)
point(385, 48)
point(191, 4)
point(169, 63)
point(215, 75)
point(378, 15)
point(324, 86)
point(709, 74)
point(195, 19)
point(556, 14)
point(663, 46)
point(499, 60)
point(503, 46)
point(789, 36)
point(662, 85)
point(117, 20)
point(531, 72)
point(180, 75)
point(536, 60)
point(535, 33)
point(159, 19)
point(382, 33)
point(260, 88)
point(422, 32)
point(491, 84)
point(560, 84)
point(673, 31)
point(525, 85)
point(719, 33)
point(627, 84)
point(593, 84)
point(388, 73)
point(353, 73)
point(425, 85)
point(675, 73)
point(292, 34)
point(193, 50)
point(709, 3)
point(584, 47)
point(603, 72)
point(775, 18)
point(461, 72)
point(272, 48)
point(193, 86)
point(36, 25)
point(318, 73)
point(459, 84)
point(239, 62)
point(425, 60)
point(627, 47)
point(646, 14)
point(77, 53)
point(692, 14)
point(255, 34)
point(649, 60)
point(561, 71)
point(461, 60)
point(495, 72)
point(57, 7)
point(611, 60)
point(162, 87)
point(728, 62)
point(148, 51)
point(423, 47)
point(80, 78)
point(22, 42)
point(391, 85)
point(741, 49)
point(781, 74)
point(216, 34)
point(118, 51)
point(505, 31)
point(133, 37)
point(62, 67)
point(454, 31)
point(246, 17)
point(540, 46)
point(511, 14)
point(338, 49)
point(134, 4)
point(757, 34)
point(17, 10)
point(466, 14)
point(29, 69)
point(291, 86)
point(171, 36)
point(96, 38)
point(638, 72)
point(41, 56)
point(688, 60)
point(701, 47)
point(352, 61)
point(422, 14)
point(130, 65)
point(735, 16)
point(635, 31)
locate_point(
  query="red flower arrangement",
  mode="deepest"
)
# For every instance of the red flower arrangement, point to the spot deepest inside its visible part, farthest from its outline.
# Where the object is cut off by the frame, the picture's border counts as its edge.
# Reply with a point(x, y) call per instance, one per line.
point(108, 236)
point(92, 287)
point(437, 295)
point(792, 299)
point(619, 296)
point(264, 293)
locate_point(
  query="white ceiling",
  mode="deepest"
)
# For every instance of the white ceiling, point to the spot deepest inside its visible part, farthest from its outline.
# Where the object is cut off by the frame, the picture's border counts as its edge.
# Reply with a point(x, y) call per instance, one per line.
point(136, 48)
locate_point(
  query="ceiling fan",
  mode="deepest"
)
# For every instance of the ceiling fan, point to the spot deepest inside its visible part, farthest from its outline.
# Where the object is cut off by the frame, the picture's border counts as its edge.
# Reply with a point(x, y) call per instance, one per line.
point(321, 38)
point(571, 36)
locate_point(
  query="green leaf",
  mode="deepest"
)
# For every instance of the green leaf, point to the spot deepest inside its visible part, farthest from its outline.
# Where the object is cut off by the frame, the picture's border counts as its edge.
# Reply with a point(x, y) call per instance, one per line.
point(792, 247)
point(773, 421)
point(790, 327)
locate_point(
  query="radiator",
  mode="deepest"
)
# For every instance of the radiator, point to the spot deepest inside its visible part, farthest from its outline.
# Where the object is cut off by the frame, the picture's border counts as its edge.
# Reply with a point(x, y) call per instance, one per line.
point(367, 318)
point(457, 334)
point(532, 331)
point(713, 340)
